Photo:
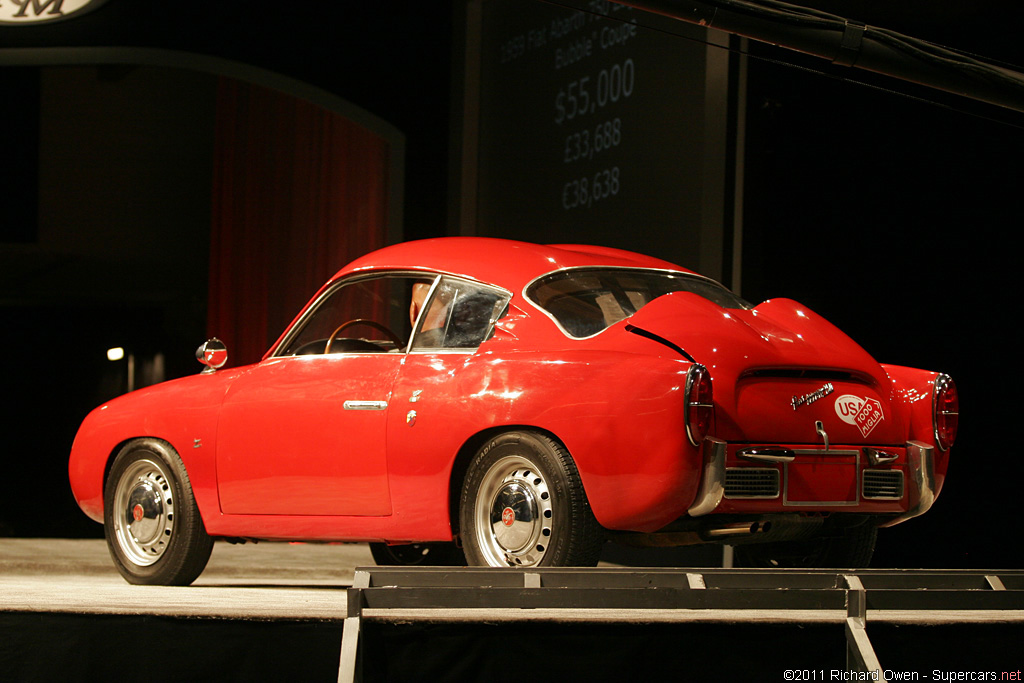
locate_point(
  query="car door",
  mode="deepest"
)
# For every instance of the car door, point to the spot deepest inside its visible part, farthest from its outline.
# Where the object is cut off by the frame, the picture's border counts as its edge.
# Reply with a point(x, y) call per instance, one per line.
point(440, 389)
point(303, 432)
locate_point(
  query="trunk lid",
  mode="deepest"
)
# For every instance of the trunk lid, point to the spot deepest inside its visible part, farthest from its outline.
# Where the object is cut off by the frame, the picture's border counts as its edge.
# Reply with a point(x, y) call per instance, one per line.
point(778, 369)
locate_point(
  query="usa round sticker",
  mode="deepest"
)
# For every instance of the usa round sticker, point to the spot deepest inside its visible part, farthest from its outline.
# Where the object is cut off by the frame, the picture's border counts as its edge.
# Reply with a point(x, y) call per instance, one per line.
point(863, 413)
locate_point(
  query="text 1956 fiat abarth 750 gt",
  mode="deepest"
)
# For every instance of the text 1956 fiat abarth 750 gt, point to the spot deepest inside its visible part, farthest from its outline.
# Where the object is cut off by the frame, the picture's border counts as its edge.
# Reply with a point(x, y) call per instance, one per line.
point(490, 402)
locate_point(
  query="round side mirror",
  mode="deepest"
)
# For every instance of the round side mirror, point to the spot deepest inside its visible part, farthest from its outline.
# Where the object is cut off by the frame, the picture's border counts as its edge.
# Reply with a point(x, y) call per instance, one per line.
point(213, 354)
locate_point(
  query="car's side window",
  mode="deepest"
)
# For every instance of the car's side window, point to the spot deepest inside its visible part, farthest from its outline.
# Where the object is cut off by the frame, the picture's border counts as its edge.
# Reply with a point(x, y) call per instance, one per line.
point(587, 301)
point(458, 315)
point(361, 315)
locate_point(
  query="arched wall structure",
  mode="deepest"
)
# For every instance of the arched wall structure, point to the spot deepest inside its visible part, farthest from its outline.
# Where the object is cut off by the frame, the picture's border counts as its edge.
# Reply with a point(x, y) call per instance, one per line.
point(134, 56)
point(303, 181)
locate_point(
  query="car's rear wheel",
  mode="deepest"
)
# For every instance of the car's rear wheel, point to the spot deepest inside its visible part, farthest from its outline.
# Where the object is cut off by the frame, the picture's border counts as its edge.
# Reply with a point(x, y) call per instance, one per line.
point(846, 548)
point(523, 505)
point(418, 554)
point(152, 524)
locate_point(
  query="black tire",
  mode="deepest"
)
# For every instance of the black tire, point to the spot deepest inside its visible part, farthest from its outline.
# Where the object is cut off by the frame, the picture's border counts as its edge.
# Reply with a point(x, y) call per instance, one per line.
point(153, 529)
point(523, 505)
point(850, 548)
point(418, 555)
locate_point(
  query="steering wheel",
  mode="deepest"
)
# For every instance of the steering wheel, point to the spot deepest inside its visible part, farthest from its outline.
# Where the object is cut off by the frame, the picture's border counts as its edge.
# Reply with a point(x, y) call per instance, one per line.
point(364, 321)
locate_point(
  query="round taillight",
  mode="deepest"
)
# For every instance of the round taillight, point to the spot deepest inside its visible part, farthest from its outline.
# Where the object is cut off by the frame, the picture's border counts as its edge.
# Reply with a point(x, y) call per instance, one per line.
point(699, 407)
point(946, 406)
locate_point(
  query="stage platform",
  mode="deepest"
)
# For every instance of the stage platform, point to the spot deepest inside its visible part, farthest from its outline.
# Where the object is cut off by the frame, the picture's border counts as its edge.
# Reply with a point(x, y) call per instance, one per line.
point(251, 581)
point(269, 611)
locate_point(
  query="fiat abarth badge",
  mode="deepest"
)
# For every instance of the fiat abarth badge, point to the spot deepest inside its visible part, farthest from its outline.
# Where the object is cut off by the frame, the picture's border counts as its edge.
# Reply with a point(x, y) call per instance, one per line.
point(810, 398)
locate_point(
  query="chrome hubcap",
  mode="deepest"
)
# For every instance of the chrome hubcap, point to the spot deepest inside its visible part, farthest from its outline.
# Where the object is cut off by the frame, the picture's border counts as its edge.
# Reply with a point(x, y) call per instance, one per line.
point(513, 514)
point(143, 512)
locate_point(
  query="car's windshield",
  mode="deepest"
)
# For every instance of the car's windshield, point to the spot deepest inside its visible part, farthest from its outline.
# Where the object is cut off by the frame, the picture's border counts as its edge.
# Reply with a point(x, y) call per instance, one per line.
point(586, 301)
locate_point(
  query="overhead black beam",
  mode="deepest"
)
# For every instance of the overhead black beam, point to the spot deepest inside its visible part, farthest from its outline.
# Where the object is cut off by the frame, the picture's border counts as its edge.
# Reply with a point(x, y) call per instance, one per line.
point(852, 44)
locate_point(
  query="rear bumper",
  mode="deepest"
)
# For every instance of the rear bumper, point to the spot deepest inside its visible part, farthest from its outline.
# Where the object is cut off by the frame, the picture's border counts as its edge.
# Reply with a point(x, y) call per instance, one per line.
point(712, 480)
point(921, 489)
point(897, 482)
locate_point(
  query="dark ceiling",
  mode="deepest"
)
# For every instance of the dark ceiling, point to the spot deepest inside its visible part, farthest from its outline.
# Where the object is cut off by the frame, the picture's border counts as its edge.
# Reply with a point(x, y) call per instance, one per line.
point(967, 50)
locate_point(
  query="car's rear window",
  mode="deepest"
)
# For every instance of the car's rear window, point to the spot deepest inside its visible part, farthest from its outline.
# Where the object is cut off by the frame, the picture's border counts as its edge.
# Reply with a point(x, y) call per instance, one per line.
point(588, 300)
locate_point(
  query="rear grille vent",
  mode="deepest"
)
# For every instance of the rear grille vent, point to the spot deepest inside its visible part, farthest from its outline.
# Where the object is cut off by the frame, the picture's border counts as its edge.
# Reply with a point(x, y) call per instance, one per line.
point(751, 482)
point(883, 484)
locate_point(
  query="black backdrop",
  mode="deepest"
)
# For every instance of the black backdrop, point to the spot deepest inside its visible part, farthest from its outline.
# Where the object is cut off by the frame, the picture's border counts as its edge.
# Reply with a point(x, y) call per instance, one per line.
point(894, 217)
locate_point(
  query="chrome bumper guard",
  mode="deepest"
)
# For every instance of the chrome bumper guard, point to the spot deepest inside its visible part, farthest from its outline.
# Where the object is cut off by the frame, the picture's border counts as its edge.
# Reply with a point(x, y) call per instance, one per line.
point(712, 480)
point(921, 476)
point(920, 473)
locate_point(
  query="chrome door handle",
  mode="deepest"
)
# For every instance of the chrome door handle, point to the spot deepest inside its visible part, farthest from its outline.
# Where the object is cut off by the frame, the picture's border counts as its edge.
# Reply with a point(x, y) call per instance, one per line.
point(365, 405)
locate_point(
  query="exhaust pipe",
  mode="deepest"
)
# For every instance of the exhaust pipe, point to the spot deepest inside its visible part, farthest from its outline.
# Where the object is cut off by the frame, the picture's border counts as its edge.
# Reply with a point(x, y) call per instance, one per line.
point(671, 539)
point(738, 530)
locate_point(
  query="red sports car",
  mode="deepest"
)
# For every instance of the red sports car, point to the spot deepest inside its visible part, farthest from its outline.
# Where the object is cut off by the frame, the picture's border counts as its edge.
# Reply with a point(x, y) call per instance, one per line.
point(482, 401)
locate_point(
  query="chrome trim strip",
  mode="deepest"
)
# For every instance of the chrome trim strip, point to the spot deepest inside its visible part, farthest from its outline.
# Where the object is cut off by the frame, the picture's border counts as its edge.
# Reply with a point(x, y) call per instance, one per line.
point(365, 405)
point(921, 473)
point(767, 454)
point(829, 453)
point(443, 351)
point(712, 480)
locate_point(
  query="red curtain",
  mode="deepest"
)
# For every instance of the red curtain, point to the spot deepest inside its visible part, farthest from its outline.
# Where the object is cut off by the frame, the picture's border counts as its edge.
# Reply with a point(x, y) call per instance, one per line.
point(298, 191)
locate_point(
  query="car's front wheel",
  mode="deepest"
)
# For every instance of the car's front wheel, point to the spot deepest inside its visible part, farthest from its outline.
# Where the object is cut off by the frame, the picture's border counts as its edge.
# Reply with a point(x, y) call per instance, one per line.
point(523, 505)
point(151, 521)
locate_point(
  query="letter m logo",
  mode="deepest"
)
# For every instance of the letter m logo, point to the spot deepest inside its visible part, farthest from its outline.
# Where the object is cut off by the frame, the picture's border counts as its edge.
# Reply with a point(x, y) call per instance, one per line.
point(38, 7)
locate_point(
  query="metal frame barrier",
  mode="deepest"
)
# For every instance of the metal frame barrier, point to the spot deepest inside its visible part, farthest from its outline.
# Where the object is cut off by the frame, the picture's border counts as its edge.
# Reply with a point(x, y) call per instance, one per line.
point(632, 595)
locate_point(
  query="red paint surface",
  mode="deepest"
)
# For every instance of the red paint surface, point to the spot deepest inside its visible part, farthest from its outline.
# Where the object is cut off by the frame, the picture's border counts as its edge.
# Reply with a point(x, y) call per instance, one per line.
point(271, 452)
